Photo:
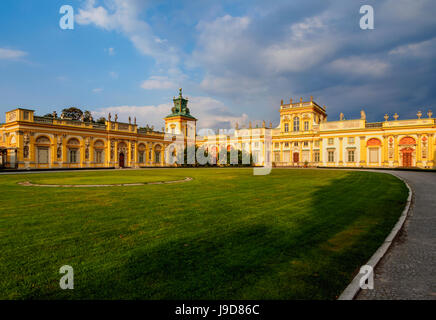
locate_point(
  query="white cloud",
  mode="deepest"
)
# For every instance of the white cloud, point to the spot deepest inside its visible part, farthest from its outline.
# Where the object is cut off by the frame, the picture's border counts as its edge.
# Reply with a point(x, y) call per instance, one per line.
point(9, 54)
point(238, 60)
point(113, 75)
point(123, 16)
point(158, 82)
point(420, 49)
point(210, 113)
point(111, 51)
point(97, 90)
point(359, 66)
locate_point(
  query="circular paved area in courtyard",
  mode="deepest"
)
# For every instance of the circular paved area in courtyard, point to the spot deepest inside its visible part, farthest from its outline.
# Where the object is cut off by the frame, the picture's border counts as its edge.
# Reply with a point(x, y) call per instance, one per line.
point(30, 184)
point(407, 271)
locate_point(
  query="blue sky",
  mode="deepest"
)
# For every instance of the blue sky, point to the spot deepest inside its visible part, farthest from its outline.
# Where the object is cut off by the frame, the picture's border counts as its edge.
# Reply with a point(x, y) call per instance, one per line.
point(234, 59)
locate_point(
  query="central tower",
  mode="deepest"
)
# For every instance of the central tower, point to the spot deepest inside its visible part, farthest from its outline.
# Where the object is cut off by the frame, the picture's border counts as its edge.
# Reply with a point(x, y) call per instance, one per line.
point(180, 121)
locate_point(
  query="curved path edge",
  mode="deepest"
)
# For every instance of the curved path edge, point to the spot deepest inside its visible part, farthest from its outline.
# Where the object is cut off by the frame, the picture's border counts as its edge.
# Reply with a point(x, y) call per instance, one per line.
point(30, 184)
point(354, 287)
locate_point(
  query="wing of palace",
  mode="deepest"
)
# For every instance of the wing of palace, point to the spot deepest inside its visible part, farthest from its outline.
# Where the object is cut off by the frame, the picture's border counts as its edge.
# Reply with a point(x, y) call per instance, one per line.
point(304, 137)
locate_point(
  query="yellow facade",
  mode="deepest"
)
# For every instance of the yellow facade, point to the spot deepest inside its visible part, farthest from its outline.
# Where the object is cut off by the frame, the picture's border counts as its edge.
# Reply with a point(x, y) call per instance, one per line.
point(304, 137)
point(352, 143)
point(31, 142)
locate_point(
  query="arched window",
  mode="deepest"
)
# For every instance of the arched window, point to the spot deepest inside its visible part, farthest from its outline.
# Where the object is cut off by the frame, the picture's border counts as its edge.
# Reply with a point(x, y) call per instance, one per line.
point(141, 153)
point(407, 141)
point(42, 150)
point(73, 150)
point(296, 124)
point(157, 153)
point(286, 127)
point(373, 142)
point(99, 151)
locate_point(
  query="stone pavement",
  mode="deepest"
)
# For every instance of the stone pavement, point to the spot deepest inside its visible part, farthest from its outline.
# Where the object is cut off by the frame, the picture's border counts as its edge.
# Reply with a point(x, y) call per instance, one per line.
point(408, 270)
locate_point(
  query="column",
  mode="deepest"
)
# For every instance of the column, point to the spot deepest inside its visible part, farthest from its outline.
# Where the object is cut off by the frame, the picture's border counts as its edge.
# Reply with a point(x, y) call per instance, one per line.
point(115, 159)
point(431, 155)
point(300, 150)
point(82, 153)
point(419, 151)
point(341, 151)
point(362, 151)
point(32, 157)
point(311, 151)
point(385, 155)
point(396, 153)
point(321, 152)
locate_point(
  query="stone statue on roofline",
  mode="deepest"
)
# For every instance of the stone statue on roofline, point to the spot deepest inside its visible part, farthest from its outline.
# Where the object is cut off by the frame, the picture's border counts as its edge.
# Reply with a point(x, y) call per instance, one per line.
point(362, 115)
point(341, 116)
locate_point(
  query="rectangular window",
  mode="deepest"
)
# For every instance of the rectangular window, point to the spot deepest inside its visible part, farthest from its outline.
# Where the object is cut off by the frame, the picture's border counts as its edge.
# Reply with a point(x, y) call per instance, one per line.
point(331, 156)
point(99, 156)
point(256, 156)
point(373, 155)
point(296, 124)
point(26, 115)
point(350, 155)
point(42, 155)
point(317, 143)
point(306, 125)
point(330, 141)
point(276, 157)
point(306, 143)
point(256, 144)
point(316, 156)
point(286, 144)
point(276, 145)
point(295, 144)
point(73, 156)
point(286, 127)
point(286, 156)
point(350, 140)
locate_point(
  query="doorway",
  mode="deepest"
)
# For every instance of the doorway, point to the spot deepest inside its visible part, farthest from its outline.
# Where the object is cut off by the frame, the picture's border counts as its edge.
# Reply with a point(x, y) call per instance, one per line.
point(296, 157)
point(407, 157)
point(121, 161)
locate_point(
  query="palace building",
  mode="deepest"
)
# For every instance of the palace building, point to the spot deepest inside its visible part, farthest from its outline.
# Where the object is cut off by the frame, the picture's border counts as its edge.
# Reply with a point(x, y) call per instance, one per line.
point(303, 138)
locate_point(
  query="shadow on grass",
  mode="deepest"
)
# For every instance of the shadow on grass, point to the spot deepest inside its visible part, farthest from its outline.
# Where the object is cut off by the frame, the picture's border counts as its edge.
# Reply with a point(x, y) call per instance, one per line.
point(311, 256)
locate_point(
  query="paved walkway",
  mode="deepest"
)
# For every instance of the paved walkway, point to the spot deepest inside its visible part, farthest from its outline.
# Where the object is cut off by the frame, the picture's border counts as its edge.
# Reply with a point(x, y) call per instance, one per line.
point(408, 270)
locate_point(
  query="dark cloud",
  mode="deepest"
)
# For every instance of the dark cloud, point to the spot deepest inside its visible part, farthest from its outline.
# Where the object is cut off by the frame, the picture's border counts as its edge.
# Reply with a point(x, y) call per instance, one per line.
point(316, 48)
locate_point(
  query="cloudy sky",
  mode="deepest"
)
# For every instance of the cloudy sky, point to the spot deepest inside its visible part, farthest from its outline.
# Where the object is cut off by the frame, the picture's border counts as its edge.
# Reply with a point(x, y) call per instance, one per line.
point(234, 59)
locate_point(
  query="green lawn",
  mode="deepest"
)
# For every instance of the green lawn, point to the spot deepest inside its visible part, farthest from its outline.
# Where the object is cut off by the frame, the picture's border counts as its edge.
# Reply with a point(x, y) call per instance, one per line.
point(294, 234)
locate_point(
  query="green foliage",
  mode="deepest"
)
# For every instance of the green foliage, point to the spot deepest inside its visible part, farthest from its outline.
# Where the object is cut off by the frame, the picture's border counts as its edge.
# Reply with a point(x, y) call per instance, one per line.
point(101, 120)
point(72, 113)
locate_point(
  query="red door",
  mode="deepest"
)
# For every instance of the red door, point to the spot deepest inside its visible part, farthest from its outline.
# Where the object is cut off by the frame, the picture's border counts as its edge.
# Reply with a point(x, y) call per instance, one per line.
point(121, 164)
point(407, 159)
point(296, 157)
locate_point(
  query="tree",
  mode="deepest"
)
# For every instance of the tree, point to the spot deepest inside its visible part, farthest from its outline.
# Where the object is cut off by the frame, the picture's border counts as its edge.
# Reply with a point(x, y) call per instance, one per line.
point(72, 113)
point(101, 120)
point(48, 115)
point(87, 116)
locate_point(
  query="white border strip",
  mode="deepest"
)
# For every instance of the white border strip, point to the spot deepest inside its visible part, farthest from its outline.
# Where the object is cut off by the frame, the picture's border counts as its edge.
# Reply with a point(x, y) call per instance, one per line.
point(354, 287)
